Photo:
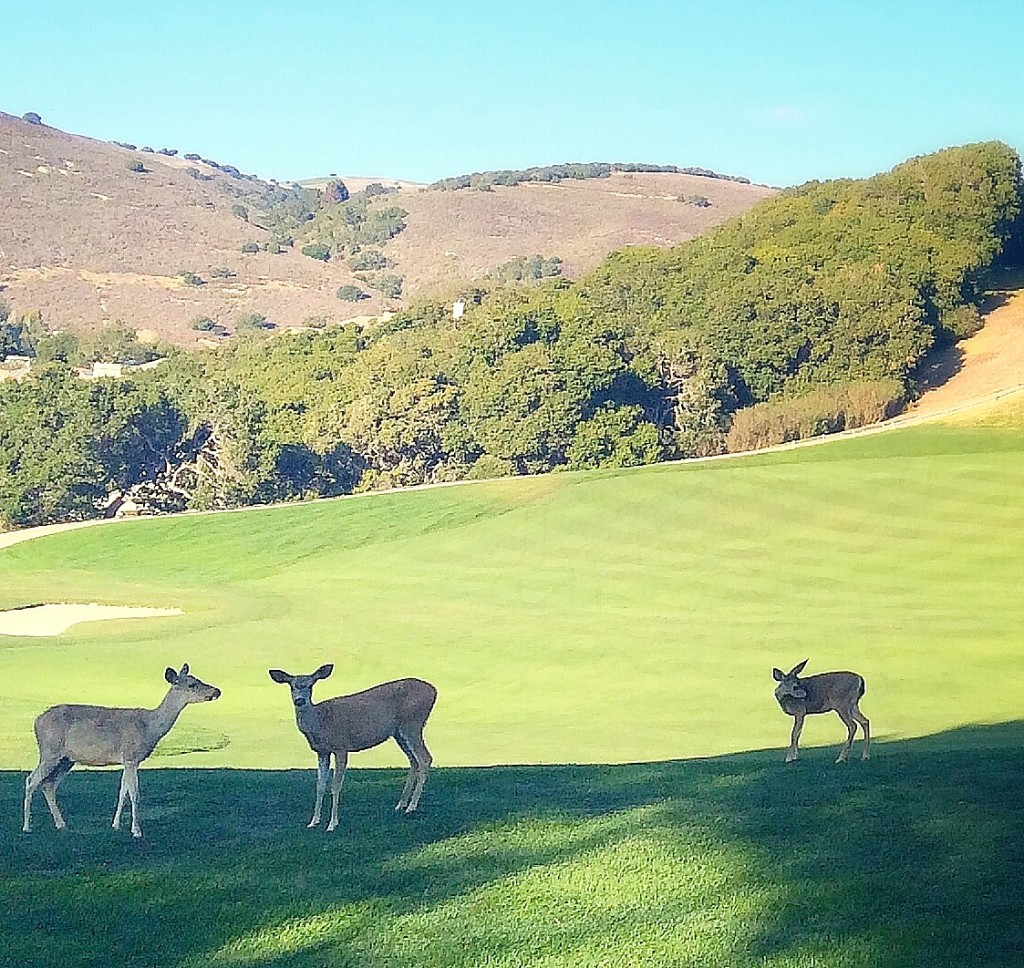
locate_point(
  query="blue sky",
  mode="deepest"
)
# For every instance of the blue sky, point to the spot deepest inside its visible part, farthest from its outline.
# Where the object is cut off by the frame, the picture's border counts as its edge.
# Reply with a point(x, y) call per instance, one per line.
point(778, 91)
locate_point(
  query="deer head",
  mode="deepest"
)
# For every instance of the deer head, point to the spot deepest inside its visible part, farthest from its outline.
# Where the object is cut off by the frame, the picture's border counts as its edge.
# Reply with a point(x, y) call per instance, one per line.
point(301, 686)
point(195, 690)
point(789, 686)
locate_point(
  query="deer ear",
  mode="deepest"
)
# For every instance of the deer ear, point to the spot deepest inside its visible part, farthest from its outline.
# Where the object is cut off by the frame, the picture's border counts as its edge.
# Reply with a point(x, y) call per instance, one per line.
point(324, 671)
point(798, 668)
point(278, 676)
point(184, 670)
point(778, 674)
point(171, 676)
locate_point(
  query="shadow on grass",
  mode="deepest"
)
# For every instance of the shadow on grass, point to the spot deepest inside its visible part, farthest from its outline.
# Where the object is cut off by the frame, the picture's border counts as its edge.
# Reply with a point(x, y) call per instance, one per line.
point(915, 858)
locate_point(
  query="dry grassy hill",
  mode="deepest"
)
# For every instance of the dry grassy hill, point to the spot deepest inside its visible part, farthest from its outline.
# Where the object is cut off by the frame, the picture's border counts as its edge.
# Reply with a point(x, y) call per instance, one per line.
point(87, 241)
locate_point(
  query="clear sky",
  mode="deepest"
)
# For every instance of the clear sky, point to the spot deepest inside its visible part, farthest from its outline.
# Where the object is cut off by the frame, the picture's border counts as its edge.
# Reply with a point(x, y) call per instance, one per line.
point(778, 90)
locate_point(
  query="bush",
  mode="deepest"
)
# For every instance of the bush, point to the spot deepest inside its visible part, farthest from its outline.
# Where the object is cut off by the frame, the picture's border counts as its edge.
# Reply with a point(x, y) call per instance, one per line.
point(136, 166)
point(825, 410)
point(190, 278)
point(32, 118)
point(250, 247)
point(254, 322)
point(352, 294)
point(202, 324)
point(222, 272)
point(488, 466)
point(317, 251)
point(370, 260)
point(336, 192)
point(191, 156)
point(388, 284)
point(240, 211)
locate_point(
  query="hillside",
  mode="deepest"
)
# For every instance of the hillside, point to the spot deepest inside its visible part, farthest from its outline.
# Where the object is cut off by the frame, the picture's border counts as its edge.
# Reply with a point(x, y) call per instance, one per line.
point(87, 241)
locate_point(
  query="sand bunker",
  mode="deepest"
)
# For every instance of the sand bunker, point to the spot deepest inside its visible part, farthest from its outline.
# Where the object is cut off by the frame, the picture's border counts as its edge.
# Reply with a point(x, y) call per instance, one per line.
point(54, 619)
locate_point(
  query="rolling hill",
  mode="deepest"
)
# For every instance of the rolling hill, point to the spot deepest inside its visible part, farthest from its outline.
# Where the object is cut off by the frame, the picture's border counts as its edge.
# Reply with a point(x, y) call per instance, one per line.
point(88, 241)
point(608, 786)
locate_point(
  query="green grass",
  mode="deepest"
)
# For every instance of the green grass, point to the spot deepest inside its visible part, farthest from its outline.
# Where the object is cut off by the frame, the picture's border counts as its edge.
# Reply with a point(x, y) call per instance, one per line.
point(578, 618)
point(626, 622)
point(912, 859)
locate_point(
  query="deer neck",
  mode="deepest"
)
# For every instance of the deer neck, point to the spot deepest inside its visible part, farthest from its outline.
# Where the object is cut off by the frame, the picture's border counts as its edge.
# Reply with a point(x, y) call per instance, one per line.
point(160, 720)
point(309, 720)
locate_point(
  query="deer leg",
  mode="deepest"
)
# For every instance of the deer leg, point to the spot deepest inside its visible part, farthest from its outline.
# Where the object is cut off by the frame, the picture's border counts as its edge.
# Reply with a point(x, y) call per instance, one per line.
point(131, 779)
point(794, 738)
point(323, 767)
point(49, 788)
point(865, 725)
point(340, 765)
point(410, 779)
point(122, 799)
point(423, 762)
point(851, 731)
point(33, 780)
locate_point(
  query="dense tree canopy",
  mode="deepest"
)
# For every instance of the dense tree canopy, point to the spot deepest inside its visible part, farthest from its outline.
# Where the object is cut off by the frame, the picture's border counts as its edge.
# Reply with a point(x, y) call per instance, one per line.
point(807, 314)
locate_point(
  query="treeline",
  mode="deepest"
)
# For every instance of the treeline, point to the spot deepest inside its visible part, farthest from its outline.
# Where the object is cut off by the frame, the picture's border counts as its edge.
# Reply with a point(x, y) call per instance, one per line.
point(484, 180)
point(808, 314)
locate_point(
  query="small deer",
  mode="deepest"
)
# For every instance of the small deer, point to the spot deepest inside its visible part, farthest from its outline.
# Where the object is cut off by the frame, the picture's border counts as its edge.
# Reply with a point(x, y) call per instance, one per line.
point(347, 724)
point(839, 691)
point(102, 736)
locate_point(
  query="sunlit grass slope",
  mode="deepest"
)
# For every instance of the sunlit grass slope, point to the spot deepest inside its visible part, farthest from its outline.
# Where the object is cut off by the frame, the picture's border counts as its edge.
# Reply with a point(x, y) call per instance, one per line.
point(602, 617)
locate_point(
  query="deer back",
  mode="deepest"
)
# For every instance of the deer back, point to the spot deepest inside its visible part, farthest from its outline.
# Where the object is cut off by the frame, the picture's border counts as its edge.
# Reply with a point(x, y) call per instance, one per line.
point(94, 735)
point(832, 690)
point(365, 719)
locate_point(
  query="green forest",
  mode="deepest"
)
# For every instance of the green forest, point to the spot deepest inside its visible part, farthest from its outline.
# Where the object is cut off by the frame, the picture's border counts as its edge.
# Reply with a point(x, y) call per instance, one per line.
point(809, 314)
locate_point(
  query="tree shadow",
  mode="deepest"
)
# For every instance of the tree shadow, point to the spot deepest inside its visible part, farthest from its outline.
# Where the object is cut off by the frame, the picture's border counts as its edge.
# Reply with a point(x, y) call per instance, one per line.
point(938, 366)
point(913, 858)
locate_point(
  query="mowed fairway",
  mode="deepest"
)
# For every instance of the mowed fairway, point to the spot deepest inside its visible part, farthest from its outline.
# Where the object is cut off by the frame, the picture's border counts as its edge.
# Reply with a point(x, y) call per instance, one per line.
point(602, 620)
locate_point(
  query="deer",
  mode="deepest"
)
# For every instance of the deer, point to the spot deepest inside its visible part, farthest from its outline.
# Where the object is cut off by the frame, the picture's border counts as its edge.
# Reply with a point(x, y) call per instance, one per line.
point(348, 724)
point(827, 691)
point(105, 736)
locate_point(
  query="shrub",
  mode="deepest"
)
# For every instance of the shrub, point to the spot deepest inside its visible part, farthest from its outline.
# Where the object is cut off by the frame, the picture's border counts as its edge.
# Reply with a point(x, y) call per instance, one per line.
point(147, 148)
point(190, 278)
point(191, 156)
point(317, 251)
point(336, 191)
point(250, 247)
point(222, 272)
point(202, 324)
point(170, 152)
point(388, 284)
point(254, 322)
point(240, 211)
point(352, 294)
point(32, 118)
point(825, 410)
point(136, 166)
point(371, 259)
point(487, 466)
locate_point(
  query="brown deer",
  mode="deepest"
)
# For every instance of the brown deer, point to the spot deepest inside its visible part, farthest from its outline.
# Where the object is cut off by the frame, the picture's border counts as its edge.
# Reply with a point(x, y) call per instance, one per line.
point(102, 736)
point(839, 691)
point(347, 724)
